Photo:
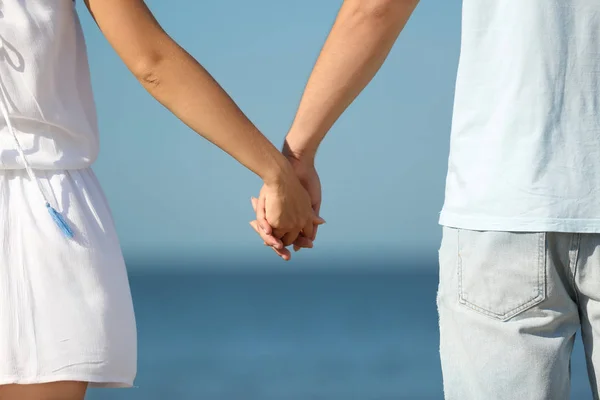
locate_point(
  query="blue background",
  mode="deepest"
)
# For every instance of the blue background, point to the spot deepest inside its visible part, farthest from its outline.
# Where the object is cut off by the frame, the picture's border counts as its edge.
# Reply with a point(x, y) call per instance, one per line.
point(355, 317)
point(383, 165)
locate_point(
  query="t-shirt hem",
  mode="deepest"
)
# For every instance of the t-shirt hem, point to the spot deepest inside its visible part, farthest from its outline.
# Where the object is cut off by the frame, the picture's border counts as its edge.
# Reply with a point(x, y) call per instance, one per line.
point(477, 223)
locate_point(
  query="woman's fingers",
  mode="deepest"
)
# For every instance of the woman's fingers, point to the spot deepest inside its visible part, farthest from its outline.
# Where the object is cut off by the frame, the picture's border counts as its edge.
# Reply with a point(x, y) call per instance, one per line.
point(272, 242)
point(261, 215)
point(283, 253)
point(269, 240)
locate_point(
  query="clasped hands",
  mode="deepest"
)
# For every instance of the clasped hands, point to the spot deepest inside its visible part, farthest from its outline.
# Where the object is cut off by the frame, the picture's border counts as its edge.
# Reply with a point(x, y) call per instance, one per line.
point(287, 209)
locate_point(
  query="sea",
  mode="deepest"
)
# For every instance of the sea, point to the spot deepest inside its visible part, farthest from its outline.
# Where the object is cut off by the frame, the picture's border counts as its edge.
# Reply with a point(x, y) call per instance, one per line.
point(291, 335)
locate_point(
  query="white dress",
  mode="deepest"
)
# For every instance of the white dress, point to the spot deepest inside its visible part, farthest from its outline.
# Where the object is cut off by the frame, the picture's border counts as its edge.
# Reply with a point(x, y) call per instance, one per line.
point(65, 305)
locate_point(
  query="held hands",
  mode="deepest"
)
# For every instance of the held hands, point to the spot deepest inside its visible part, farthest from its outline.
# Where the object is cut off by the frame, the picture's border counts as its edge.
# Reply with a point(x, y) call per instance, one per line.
point(280, 219)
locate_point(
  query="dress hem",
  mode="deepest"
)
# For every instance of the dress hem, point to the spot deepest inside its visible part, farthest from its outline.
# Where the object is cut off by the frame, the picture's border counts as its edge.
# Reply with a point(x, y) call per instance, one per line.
point(92, 380)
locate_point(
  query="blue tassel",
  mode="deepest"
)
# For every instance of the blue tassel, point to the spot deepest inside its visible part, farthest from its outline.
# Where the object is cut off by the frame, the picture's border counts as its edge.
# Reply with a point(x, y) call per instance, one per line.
point(60, 221)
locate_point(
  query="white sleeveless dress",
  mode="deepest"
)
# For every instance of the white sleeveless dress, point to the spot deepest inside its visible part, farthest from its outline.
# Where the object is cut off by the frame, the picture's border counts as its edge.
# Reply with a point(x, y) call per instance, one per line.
point(65, 304)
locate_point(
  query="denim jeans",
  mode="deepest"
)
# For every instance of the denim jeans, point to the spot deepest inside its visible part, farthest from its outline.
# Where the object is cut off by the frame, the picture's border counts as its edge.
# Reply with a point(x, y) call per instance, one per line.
point(510, 305)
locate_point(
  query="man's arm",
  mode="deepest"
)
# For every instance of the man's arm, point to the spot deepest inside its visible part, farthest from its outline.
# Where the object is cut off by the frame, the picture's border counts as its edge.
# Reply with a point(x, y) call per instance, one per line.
point(183, 86)
point(358, 44)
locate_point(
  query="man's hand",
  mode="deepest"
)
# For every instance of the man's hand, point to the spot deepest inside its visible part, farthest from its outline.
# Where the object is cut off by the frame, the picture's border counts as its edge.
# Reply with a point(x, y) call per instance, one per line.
point(284, 209)
point(307, 174)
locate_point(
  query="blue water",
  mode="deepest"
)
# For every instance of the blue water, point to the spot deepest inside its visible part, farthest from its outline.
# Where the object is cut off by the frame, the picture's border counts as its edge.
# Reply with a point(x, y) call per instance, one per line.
point(290, 336)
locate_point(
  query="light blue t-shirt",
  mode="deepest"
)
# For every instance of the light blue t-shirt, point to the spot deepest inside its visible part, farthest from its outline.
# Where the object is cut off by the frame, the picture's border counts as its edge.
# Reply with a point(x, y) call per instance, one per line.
point(525, 143)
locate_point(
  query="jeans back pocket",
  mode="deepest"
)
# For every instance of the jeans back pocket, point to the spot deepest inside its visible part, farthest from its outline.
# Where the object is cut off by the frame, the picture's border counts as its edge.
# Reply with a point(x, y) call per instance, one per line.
point(501, 274)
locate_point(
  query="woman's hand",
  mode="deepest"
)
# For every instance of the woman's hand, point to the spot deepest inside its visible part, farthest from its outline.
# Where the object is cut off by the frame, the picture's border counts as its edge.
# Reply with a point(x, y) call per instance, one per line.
point(284, 210)
point(307, 174)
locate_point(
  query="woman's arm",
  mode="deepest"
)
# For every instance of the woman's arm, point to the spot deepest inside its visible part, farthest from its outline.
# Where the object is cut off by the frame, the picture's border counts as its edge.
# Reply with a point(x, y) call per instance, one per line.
point(183, 86)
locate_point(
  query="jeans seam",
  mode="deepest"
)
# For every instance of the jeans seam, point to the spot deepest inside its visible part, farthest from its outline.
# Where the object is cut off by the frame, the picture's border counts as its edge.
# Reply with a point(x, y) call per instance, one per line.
point(459, 265)
point(573, 262)
point(576, 266)
point(542, 284)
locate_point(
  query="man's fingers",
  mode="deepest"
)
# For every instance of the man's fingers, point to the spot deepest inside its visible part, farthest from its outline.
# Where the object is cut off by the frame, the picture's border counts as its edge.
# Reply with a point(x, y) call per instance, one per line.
point(315, 233)
point(317, 208)
point(290, 237)
point(303, 243)
point(317, 220)
point(269, 240)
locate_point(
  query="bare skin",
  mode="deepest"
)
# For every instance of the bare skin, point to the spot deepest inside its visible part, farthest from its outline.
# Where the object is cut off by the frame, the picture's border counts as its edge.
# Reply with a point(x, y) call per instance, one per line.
point(184, 87)
point(175, 79)
point(358, 44)
point(65, 390)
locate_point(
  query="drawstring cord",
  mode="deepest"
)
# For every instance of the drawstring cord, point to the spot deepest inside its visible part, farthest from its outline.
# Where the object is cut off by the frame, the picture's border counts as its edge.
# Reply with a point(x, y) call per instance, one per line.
point(56, 216)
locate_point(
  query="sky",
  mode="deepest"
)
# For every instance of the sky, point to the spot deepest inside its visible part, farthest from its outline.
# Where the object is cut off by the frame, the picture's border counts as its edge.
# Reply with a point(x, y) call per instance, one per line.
point(382, 166)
